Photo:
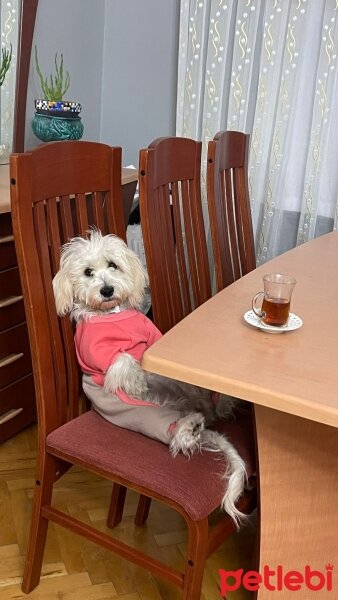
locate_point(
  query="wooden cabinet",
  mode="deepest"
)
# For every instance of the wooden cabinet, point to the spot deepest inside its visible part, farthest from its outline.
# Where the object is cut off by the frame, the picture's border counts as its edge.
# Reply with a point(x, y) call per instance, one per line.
point(16, 380)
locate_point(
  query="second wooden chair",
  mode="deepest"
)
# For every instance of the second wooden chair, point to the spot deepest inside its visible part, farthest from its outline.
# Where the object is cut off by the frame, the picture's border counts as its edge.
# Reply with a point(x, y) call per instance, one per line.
point(178, 264)
point(173, 228)
point(229, 206)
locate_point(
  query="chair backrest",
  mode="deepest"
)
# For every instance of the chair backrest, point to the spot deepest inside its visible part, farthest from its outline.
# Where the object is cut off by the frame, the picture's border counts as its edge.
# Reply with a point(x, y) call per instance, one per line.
point(229, 206)
point(173, 228)
point(58, 191)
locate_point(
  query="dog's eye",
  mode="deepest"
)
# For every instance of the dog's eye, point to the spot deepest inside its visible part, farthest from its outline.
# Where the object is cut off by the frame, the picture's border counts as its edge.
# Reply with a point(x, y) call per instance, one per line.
point(112, 265)
point(88, 272)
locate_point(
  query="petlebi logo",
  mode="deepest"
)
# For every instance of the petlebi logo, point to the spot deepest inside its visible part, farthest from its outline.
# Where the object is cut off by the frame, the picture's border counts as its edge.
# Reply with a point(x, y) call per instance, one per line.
point(277, 579)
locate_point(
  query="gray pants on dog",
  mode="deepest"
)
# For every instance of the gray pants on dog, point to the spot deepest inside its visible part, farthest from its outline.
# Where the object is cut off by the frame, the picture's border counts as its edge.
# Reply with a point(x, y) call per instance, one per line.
point(157, 422)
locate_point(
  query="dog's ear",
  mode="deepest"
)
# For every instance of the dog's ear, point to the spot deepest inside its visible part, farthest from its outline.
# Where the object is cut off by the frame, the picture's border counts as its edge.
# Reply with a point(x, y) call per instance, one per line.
point(63, 293)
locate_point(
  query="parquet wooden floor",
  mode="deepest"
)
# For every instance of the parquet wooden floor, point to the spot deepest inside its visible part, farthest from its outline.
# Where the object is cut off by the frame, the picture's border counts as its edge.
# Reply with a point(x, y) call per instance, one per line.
point(75, 569)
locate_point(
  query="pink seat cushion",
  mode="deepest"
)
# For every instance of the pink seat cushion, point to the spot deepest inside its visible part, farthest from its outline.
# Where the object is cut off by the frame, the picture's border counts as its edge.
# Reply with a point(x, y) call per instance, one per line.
point(196, 483)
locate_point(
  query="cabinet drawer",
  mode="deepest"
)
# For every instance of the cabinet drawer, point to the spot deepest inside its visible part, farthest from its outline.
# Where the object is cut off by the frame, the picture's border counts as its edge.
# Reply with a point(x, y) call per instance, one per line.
point(16, 407)
point(15, 359)
point(7, 248)
point(11, 302)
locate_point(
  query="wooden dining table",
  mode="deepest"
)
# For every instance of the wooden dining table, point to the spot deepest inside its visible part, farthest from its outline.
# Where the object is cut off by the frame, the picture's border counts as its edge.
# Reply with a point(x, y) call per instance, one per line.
point(292, 381)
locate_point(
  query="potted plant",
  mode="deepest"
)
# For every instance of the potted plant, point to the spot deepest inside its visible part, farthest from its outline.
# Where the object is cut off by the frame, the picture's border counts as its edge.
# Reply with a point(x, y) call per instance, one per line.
point(56, 118)
point(5, 63)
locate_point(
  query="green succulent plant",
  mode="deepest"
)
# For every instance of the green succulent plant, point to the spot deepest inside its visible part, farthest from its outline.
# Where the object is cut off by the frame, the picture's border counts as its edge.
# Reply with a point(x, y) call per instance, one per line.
point(53, 88)
point(5, 63)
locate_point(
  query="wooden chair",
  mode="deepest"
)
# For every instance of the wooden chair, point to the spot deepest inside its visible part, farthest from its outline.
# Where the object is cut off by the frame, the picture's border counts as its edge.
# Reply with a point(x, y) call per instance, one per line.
point(229, 206)
point(55, 171)
point(173, 228)
point(176, 252)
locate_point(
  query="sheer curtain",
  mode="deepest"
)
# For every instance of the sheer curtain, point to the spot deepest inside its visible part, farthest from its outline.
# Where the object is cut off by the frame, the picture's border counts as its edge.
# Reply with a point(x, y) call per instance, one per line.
point(268, 68)
point(9, 21)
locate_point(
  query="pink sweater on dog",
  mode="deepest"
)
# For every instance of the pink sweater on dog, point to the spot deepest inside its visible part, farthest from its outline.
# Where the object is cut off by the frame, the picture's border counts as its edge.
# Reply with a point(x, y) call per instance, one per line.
point(100, 340)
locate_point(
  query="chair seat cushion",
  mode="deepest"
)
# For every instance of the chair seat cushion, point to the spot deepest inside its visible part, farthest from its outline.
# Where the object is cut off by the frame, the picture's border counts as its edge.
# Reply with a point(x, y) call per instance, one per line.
point(194, 483)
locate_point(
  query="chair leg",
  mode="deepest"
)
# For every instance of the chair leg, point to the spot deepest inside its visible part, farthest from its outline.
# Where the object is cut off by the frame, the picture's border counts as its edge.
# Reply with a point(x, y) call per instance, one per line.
point(142, 512)
point(195, 559)
point(116, 505)
point(39, 525)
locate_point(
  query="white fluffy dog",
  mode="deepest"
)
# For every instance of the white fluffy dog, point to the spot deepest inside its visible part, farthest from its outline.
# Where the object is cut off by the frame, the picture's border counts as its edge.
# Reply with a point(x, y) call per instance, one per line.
point(101, 284)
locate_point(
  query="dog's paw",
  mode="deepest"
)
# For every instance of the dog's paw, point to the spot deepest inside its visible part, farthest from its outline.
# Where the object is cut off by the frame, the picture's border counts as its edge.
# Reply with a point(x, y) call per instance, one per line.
point(126, 374)
point(187, 436)
point(136, 384)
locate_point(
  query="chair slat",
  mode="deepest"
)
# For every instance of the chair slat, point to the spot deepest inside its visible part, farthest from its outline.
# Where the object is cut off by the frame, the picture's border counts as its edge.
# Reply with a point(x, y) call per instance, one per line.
point(190, 242)
point(98, 210)
point(232, 224)
point(169, 257)
point(67, 227)
point(181, 258)
point(53, 228)
point(82, 213)
point(41, 218)
point(225, 259)
point(246, 246)
point(201, 252)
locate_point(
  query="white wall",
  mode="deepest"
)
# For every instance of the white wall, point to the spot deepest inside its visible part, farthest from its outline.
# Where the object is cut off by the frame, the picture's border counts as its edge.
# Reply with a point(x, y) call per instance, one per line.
point(139, 73)
point(75, 29)
point(122, 58)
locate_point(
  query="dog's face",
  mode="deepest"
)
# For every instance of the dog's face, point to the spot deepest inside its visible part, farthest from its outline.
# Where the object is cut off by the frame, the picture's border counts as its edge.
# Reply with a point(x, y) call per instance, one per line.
point(97, 274)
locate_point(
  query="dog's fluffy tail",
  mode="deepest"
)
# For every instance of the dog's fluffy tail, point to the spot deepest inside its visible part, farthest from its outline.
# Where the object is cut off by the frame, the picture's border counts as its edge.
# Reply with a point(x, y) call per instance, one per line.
point(235, 475)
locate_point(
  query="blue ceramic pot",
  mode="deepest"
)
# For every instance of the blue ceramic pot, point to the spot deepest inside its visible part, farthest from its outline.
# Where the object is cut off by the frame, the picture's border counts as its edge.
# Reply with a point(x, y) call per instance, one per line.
point(50, 128)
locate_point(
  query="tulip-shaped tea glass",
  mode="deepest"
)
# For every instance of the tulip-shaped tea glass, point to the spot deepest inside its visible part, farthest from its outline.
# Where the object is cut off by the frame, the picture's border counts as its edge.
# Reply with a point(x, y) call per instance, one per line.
point(276, 298)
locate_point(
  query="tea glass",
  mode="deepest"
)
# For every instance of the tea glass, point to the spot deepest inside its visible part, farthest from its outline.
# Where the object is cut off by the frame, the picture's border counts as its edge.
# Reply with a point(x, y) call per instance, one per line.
point(276, 298)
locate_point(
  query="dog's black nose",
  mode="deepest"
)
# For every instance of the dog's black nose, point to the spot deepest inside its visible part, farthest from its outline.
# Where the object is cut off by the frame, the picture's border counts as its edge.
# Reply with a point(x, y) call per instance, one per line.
point(107, 291)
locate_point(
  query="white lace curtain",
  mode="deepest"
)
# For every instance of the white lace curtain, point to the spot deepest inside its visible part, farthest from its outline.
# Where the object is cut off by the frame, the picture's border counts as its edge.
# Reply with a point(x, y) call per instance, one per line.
point(268, 68)
point(9, 20)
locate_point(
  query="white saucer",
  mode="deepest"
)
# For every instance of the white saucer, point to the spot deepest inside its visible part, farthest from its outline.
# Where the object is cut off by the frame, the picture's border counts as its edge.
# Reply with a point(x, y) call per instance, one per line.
point(293, 323)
